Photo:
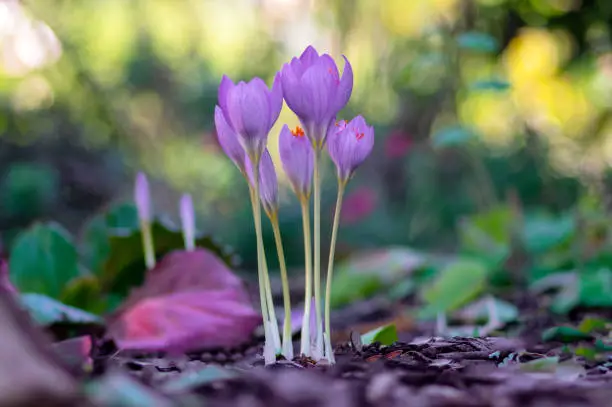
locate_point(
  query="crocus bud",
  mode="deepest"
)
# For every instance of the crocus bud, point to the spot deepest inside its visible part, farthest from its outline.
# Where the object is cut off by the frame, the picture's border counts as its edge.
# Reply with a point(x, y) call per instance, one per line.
point(268, 183)
point(350, 145)
point(228, 140)
point(251, 109)
point(314, 91)
point(187, 221)
point(141, 197)
point(297, 156)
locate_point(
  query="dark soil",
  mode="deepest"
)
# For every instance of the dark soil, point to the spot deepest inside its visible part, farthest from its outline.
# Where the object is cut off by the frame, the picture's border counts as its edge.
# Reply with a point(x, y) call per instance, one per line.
point(420, 371)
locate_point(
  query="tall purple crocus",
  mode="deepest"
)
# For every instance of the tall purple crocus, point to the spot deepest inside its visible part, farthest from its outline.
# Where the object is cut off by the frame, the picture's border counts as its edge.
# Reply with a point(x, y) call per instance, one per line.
point(313, 89)
point(297, 156)
point(349, 145)
point(268, 182)
point(251, 109)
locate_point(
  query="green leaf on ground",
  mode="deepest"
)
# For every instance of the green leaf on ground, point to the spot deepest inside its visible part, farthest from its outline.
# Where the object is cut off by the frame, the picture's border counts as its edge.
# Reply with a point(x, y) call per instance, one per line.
point(487, 235)
point(595, 288)
point(565, 334)
point(543, 232)
point(43, 260)
point(456, 285)
point(385, 335)
point(478, 311)
point(120, 390)
point(363, 275)
point(190, 380)
point(47, 311)
point(85, 293)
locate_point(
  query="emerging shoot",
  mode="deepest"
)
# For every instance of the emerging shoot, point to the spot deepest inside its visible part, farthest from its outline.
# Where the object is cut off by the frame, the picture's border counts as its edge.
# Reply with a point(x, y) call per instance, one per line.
point(143, 205)
point(188, 222)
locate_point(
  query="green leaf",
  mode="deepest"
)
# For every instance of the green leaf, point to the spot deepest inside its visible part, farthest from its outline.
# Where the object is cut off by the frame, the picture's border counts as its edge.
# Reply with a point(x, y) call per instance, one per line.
point(385, 335)
point(494, 85)
point(452, 136)
point(593, 325)
point(487, 235)
point(542, 232)
point(478, 311)
point(456, 284)
point(125, 267)
point(95, 246)
point(121, 390)
point(477, 41)
point(85, 293)
point(567, 295)
point(190, 380)
point(43, 260)
point(47, 311)
point(565, 334)
point(547, 364)
point(365, 274)
point(595, 289)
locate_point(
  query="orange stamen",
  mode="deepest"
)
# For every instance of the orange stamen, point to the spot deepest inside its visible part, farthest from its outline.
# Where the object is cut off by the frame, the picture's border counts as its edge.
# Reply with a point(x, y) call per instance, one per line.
point(298, 132)
point(359, 136)
point(340, 121)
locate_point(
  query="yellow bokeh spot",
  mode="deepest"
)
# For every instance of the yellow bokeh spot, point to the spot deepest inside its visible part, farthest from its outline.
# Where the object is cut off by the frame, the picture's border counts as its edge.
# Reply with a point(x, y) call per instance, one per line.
point(410, 17)
point(493, 115)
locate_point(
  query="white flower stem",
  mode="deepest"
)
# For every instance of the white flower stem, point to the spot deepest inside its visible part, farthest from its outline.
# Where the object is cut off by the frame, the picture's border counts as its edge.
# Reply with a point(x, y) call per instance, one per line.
point(330, 270)
point(305, 340)
point(260, 275)
point(147, 243)
point(261, 258)
point(287, 341)
point(317, 251)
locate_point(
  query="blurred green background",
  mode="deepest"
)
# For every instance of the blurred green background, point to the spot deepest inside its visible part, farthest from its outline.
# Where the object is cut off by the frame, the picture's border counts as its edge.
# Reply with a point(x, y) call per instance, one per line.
point(476, 103)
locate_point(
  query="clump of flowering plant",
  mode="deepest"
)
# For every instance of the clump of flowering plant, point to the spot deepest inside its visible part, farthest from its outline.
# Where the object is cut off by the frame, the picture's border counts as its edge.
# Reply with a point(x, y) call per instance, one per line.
point(314, 90)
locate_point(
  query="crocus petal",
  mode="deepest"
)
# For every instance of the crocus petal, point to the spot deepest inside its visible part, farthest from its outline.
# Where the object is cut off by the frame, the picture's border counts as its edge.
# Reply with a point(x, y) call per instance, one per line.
point(141, 197)
point(309, 56)
point(318, 86)
point(345, 88)
point(228, 140)
point(268, 182)
point(330, 65)
point(224, 87)
point(249, 111)
point(293, 94)
point(297, 157)
point(275, 100)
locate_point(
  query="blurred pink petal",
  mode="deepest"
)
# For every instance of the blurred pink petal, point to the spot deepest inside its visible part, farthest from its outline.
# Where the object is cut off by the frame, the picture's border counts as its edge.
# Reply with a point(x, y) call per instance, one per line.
point(358, 205)
point(398, 144)
point(187, 321)
point(189, 301)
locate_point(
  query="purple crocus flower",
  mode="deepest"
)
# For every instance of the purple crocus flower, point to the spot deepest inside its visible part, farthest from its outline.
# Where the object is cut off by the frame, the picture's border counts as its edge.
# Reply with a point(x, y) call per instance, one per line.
point(251, 109)
point(313, 89)
point(228, 140)
point(349, 145)
point(268, 183)
point(297, 156)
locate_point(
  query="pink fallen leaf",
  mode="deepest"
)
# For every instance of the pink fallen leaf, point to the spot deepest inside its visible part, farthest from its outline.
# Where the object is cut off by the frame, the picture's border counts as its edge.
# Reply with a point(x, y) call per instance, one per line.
point(189, 301)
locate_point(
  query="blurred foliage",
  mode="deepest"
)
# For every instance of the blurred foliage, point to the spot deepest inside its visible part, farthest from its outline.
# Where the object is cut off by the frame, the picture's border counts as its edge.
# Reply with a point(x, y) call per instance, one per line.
point(475, 102)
